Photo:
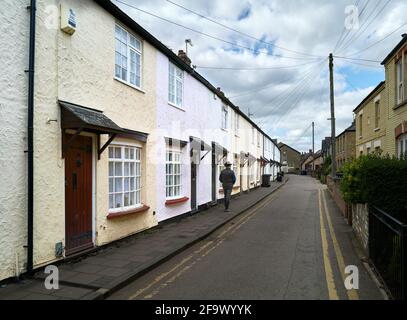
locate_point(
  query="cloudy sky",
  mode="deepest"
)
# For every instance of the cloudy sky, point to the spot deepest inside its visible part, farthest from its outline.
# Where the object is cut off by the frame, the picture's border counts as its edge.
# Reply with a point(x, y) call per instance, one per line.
point(282, 47)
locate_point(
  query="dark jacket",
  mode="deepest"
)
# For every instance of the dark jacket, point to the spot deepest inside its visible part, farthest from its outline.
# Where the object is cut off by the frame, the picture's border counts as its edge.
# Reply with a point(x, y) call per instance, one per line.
point(227, 178)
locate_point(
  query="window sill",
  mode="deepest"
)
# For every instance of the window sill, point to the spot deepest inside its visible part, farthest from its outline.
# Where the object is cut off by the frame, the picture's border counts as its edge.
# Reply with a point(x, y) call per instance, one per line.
point(129, 85)
point(399, 105)
point(171, 202)
point(119, 214)
point(224, 129)
point(175, 106)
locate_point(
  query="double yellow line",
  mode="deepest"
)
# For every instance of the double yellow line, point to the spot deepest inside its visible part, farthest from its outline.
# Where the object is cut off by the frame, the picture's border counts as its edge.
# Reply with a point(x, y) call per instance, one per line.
point(186, 263)
point(330, 281)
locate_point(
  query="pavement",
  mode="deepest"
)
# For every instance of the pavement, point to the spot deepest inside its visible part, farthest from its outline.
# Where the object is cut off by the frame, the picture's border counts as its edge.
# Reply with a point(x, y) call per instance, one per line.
point(99, 274)
point(295, 244)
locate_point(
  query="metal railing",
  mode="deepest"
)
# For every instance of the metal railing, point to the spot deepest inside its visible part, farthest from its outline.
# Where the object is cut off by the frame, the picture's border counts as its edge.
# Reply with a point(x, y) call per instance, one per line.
point(388, 250)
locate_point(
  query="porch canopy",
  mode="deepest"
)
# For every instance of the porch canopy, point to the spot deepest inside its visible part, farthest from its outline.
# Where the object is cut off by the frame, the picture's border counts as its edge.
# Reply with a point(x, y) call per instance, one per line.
point(247, 157)
point(198, 144)
point(218, 149)
point(175, 142)
point(80, 118)
point(264, 160)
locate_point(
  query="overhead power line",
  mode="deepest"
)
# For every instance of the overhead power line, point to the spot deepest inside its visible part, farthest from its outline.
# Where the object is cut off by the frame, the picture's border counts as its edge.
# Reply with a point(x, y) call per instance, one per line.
point(360, 25)
point(340, 39)
point(362, 31)
point(377, 42)
point(257, 51)
point(356, 59)
point(242, 33)
point(270, 85)
point(255, 68)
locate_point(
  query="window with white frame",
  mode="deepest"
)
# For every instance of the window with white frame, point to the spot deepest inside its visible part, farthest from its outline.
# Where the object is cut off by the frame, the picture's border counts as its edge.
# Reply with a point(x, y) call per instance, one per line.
point(377, 113)
point(224, 117)
point(402, 145)
point(400, 86)
point(173, 174)
point(128, 54)
point(124, 177)
point(175, 85)
point(236, 123)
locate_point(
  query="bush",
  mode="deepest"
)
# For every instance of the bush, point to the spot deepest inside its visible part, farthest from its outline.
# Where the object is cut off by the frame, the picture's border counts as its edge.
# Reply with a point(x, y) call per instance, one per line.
point(325, 169)
point(381, 182)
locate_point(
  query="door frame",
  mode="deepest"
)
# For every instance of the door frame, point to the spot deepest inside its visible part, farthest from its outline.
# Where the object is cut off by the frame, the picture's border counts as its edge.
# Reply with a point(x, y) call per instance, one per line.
point(94, 161)
point(194, 197)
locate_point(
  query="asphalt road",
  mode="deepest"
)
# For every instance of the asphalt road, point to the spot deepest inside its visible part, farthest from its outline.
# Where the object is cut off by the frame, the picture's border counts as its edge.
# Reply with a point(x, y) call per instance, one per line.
point(293, 245)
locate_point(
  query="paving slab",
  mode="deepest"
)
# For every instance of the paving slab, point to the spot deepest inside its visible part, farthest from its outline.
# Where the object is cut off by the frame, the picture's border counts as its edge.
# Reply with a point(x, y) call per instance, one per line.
point(98, 274)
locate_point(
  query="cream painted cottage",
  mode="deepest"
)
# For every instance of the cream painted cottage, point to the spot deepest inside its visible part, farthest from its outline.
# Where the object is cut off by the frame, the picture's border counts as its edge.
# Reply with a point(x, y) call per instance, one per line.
point(124, 132)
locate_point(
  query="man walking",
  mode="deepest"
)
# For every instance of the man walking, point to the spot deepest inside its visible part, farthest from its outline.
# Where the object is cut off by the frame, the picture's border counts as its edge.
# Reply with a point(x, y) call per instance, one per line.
point(227, 178)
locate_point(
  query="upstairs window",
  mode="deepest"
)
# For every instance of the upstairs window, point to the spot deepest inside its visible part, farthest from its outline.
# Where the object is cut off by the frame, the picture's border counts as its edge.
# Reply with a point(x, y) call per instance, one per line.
point(175, 85)
point(236, 123)
point(399, 78)
point(360, 125)
point(253, 136)
point(128, 54)
point(224, 117)
point(377, 113)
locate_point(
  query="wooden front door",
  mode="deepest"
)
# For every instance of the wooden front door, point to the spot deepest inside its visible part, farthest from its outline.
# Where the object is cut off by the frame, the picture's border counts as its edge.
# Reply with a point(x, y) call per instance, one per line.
point(78, 194)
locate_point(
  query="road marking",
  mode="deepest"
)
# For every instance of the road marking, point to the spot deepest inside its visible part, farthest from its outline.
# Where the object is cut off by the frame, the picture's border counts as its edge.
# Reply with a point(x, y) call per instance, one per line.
point(330, 282)
point(219, 239)
point(163, 275)
point(352, 294)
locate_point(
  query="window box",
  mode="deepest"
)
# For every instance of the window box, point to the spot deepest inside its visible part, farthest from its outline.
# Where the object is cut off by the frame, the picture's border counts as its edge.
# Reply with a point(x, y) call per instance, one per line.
point(114, 215)
point(171, 202)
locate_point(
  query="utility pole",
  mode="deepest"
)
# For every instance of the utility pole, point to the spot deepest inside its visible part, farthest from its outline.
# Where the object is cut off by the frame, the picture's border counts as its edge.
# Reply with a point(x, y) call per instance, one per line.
point(313, 146)
point(331, 88)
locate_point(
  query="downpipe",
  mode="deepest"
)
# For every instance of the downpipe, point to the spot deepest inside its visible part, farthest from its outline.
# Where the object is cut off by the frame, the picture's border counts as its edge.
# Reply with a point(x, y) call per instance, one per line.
point(30, 142)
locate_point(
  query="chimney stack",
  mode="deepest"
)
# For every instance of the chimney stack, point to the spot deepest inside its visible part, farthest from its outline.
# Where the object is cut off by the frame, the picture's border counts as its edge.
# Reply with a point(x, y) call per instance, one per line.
point(183, 56)
point(220, 91)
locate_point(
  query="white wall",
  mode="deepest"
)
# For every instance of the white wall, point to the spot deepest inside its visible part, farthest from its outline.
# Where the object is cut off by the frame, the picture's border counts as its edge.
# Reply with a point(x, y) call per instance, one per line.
point(200, 117)
point(13, 119)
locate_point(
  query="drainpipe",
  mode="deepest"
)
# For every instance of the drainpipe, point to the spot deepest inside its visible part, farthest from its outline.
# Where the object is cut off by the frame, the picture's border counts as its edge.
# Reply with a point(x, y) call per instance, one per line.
point(30, 142)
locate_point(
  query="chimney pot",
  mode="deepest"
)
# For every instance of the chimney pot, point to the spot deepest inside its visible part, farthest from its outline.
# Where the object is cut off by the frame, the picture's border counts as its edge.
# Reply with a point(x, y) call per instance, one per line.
point(183, 56)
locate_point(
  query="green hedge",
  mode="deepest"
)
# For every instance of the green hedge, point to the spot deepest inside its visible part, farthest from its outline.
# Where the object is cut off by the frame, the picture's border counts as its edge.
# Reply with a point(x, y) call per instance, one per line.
point(378, 181)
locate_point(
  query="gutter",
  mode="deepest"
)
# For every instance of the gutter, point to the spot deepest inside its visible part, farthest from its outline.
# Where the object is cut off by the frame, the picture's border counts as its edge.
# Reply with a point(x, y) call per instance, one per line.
point(30, 141)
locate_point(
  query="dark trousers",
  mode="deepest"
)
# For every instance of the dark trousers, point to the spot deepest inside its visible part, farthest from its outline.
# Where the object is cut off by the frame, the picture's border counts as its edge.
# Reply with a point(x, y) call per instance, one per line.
point(228, 193)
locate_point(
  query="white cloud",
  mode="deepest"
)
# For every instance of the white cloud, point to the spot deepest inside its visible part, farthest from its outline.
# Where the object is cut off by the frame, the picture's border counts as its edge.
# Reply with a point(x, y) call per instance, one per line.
point(312, 27)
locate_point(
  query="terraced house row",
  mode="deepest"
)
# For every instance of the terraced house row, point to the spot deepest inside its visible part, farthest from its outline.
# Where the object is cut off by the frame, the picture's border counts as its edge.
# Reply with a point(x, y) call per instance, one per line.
point(381, 118)
point(125, 133)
